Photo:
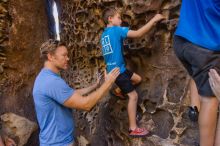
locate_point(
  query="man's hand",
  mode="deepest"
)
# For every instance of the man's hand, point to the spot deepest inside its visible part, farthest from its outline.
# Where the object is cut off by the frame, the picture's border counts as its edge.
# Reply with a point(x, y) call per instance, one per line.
point(111, 76)
point(78, 101)
point(157, 18)
point(214, 80)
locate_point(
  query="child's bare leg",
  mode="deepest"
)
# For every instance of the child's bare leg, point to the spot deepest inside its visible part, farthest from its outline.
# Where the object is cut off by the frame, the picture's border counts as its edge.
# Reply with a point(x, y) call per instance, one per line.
point(136, 79)
point(194, 95)
point(208, 120)
point(132, 109)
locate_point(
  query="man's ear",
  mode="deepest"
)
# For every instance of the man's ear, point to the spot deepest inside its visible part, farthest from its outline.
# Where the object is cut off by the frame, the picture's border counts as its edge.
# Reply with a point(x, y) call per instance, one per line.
point(49, 56)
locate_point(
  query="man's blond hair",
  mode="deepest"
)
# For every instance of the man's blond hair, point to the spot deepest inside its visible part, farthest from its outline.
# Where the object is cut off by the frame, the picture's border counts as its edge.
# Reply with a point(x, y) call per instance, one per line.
point(49, 46)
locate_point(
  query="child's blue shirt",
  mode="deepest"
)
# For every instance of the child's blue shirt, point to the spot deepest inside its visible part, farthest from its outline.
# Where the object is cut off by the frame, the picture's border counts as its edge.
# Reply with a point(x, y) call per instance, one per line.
point(112, 47)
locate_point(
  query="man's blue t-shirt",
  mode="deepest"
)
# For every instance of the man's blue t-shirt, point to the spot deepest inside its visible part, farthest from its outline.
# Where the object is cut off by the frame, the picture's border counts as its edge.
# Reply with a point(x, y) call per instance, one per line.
point(112, 47)
point(56, 121)
point(200, 23)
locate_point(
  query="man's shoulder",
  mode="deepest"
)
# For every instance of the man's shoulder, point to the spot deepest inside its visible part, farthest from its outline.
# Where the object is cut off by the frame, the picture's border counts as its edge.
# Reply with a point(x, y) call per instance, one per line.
point(47, 80)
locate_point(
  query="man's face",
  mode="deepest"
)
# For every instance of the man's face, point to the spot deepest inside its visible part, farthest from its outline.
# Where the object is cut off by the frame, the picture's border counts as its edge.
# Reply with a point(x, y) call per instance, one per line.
point(116, 20)
point(60, 58)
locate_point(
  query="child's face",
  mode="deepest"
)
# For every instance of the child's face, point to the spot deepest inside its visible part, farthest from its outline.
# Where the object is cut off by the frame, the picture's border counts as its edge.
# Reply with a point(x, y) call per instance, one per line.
point(115, 20)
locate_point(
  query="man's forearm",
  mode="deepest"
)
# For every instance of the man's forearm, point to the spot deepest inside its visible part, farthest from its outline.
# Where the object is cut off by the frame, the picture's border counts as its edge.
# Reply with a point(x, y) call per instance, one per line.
point(94, 97)
point(86, 90)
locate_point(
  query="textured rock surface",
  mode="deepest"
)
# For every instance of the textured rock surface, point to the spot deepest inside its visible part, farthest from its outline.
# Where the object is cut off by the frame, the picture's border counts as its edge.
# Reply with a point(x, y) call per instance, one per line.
point(163, 94)
point(23, 26)
point(18, 127)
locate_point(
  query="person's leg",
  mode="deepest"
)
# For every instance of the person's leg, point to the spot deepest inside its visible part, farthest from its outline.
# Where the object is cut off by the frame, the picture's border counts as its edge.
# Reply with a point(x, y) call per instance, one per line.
point(194, 95)
point(198, 61)
point(125, 84)
point(217, 135)
point(134, 130)
point(208, 120)
point(132, 108)
point(214, 80)
point(136, 79)
point(193, 110)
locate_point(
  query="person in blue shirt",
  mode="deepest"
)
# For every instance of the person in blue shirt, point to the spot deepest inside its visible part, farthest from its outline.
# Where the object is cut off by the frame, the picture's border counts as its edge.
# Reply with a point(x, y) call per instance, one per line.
point(197, 45)
point(112, 50)
point(54, 98)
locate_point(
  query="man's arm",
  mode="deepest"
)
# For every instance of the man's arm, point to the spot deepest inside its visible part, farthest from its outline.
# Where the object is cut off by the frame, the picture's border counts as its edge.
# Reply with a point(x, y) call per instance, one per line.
point(214, 80)
point(87, 102)
point(146, 28)
point(86, 90)
point(92, 87)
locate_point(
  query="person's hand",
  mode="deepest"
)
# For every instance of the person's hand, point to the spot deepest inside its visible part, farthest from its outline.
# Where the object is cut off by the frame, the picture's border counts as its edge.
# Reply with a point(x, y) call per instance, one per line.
point(111, 76)
point(214, 80)
point(158, 17)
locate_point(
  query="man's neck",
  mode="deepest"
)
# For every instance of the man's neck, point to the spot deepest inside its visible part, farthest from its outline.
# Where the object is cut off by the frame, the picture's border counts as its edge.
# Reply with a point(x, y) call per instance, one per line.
point(51, 67)
point(109, 25)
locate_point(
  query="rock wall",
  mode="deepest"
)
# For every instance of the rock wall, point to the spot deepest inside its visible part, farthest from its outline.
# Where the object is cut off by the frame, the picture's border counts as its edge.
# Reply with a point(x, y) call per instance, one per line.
point(163, 94)
point(23, 27)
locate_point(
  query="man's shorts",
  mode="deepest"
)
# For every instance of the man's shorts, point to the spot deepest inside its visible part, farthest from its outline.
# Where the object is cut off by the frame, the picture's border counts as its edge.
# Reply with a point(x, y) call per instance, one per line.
point(123, 81)
point(197, 61)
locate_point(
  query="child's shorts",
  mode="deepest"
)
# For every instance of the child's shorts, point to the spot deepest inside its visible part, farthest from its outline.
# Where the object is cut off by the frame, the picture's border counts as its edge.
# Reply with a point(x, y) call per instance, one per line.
point(123, 81)
point(197, 61)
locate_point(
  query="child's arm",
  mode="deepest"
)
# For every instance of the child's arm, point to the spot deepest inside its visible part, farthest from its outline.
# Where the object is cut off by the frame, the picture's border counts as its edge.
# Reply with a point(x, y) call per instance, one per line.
point(144, 29)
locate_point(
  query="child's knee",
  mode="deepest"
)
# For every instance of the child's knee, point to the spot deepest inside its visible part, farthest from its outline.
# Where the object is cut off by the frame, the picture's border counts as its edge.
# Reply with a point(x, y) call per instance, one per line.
point(139, 79)
point(133, 96)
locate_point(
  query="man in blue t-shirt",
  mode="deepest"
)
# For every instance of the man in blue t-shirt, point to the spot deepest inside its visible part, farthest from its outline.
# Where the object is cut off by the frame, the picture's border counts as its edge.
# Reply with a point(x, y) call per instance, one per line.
point(112, 49)
point(54, 99)
point(197, 45)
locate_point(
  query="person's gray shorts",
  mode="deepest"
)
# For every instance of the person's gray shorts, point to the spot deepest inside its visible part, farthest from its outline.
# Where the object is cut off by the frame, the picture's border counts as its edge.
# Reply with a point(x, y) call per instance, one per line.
point(197, 61)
